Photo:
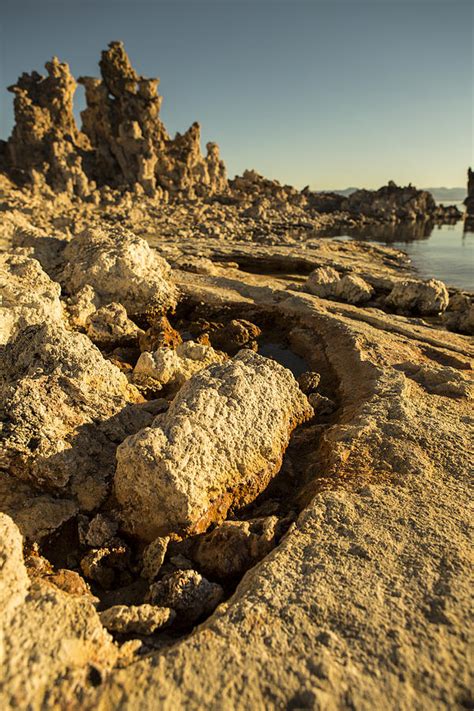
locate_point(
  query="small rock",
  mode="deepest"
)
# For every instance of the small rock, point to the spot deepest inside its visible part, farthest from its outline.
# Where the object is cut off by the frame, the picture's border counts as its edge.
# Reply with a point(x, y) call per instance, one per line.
point(235, 546)
point(100, 531)
point(322, 282)
point(136, 619)
point(235, 335)
point(128, 651)
point(322, 405)
point(160, 334)
point(459, 315)
point(353, 290)
point(187, 592)
point(153, 557)
point(309, 381)
point(102, 564)
point(110, 325)
point(173, 367)
point(70, 582)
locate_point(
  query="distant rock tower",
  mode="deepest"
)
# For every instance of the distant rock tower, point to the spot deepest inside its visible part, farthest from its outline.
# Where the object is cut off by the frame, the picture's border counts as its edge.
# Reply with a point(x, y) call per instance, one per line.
point(123, 143)
point(469, 201)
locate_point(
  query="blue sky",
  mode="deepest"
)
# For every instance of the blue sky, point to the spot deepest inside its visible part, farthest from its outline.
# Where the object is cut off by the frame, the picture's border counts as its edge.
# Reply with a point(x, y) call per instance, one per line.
point(326, 93)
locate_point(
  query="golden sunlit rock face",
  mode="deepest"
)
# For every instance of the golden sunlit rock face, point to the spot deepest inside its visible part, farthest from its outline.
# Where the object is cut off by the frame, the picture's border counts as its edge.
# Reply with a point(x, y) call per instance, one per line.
point(234, 452)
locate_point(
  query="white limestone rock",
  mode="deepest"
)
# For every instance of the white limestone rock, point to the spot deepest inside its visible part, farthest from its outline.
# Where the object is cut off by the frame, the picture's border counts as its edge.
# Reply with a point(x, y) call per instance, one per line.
point(120, 267)
point(48, 639)
point(218, 445)
point(173, 367)
point(64, 409)
point(27, 295)
point(422, 297)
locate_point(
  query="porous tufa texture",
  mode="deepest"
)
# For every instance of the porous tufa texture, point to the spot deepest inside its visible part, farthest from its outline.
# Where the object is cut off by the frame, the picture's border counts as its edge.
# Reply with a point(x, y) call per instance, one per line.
point(327, 283)
point(218, 446)
point(120, 267)
point(173, 367)
point(64, 408)
point(27, 295)
point(422, 297)
point(136, 619)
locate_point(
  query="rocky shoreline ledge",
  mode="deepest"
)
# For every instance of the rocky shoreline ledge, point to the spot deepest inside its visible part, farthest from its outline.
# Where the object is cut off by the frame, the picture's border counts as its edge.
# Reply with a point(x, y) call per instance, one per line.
point(234, 457)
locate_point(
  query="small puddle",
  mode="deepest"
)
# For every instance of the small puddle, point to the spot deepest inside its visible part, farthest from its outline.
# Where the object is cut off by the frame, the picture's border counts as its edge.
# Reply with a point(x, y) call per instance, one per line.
point(285, 357)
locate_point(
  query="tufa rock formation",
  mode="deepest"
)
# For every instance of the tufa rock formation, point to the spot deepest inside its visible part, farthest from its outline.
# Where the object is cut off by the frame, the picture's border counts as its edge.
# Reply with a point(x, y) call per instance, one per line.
point(123, 142)
point(207, 453)
point(469, 201)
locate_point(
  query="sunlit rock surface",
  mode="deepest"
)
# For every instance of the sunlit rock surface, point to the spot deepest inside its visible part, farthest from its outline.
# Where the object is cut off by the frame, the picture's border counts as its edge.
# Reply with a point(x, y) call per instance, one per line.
point(217, 446)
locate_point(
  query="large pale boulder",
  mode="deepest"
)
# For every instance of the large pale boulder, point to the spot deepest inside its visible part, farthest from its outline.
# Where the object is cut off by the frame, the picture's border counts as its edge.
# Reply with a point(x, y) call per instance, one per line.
point(64, 409)
point(49, 640)
point(27, 295)
point(120, 267)
point(14, 581)
point(173, 367)
point(218, 445)
point(423, 297)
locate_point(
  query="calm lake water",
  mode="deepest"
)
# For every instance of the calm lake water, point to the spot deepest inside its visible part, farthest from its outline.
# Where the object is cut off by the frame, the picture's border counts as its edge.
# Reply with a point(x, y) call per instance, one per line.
point(445, 252)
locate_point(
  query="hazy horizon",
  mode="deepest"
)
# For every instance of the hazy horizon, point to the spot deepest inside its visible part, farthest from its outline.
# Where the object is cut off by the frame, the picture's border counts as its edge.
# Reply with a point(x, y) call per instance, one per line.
point(330, 94)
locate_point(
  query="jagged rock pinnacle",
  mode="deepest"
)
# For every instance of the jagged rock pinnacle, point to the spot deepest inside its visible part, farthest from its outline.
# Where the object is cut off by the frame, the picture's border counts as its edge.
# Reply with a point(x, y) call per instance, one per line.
point(123, 141)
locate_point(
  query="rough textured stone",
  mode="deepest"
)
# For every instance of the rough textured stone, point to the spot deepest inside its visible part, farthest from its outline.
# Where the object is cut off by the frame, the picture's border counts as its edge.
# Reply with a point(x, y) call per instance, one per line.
point(309, 381)
point(235, 546)
point(391, 202)
point(469, 201)
point(27, 295)
point(14, 581)
point(234, 335)
point(161, 334)
point(322, 282)
point(119, 267)
point(64, 409)
point(423, 297)
point(239, 415)
point(459, 316)
point(136, 619)
point(153, 557)
point(353, 289)
point(48, 639)
point(123, 142)
point(174, 367)
point(37, 514)
point(327, 283)
point(187, 592)
point(100, 531)
point(45, 143)
point(110, 325)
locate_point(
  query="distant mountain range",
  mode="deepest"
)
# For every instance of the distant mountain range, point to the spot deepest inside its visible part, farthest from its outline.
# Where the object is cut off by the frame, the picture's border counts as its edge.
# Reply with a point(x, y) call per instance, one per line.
point(439, 194)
